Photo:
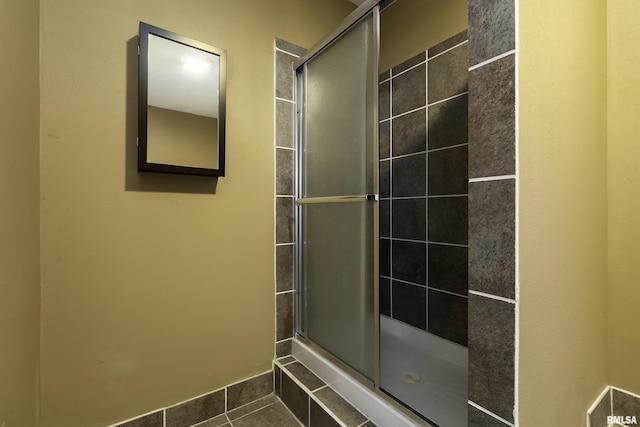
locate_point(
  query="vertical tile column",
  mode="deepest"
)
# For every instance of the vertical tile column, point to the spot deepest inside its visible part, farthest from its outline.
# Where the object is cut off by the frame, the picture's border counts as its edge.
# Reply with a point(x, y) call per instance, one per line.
point(285, 54)
point(493, 295)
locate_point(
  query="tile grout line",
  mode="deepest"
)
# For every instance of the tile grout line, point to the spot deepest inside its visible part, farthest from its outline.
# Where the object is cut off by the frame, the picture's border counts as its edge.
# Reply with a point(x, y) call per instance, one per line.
point(486, 411)
point(491, 296)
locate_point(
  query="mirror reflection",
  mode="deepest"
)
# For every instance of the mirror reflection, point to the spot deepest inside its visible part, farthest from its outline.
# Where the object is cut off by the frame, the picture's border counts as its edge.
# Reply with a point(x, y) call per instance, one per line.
point(182, 121)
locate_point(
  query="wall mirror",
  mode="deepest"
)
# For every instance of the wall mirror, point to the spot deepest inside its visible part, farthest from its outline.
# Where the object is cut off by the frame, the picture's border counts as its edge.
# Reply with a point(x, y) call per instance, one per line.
point(181, 105)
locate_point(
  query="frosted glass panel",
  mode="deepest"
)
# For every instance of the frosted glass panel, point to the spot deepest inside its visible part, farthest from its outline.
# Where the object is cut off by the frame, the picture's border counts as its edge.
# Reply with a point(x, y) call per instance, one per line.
point(338, 117)
point(338, 278)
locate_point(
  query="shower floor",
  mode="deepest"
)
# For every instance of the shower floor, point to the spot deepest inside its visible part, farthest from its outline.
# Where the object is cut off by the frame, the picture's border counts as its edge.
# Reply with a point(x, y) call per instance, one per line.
point(425, 372)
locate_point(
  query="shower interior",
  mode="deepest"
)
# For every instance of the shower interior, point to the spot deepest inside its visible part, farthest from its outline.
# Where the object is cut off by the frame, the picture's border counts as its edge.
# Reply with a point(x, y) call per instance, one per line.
point(417, 336)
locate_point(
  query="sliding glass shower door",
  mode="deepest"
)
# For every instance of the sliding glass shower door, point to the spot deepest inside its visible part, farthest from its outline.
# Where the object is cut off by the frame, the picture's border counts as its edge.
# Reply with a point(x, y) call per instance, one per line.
point(337, 196)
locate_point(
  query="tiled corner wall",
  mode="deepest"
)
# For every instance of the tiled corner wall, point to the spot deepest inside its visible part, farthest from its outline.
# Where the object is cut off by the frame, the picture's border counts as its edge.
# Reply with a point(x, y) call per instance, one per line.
point(615, 405)
point(211, 408)
point(423, 190)
point(493, 294)
point(285, 54)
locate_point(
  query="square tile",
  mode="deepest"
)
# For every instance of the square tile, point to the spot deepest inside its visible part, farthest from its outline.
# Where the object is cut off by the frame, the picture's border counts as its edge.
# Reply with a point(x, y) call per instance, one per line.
point(252, 406)
point(448, 74)
point(409, 133)
point(340, 407)
point(448, 268)
point(284, 268)
point(409, 176)
point(449, 122)
point(275, 414)
point(415, 60)
point(283, 348)
point(491, 29)
point(385, 178)
point(625, 404)
point(409, 304)
point(408, 260)
point(196, 410)
point(296, 399)
point(492, 119)
point(305, 376)
point(290, 47)
point(285, 136)
point(409, 90)
point(447, 316)
point(448, 220)
point(277, 377)
point(384, 100)
point(284, 220)
point(284, 316)
point(284, 172)
point(492, 237)
point(284, 75)
point(384, 221)
point(385, 139)
point(491, 355)
point(385, 257)
point(318, 417)
point(409, 218)
point(478, 418)
point(249, 390)
point(448, 173)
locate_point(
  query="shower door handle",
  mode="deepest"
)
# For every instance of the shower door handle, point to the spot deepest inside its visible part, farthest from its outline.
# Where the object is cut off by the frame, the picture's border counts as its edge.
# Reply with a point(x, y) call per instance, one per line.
point(338, 199)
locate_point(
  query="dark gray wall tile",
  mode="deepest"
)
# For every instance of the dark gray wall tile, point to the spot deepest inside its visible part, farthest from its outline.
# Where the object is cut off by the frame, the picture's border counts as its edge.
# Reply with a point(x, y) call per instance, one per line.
point(492, 237)
point(384, 101)
point(284, 268)
point(409, 304)
point(196, 410)
point(385, 140)
point(448, 268)
point(249, 390)
point(408, 261)
point(284, 316)
point(155, 419)
point(305, 376)
point(478, 418)
point(296, 399)
point(448, 122)
point(385, 178)
point(415, 60)
point(598, 418)
point(492, 119)
point(290, 47)
point(491, 355)
point(340, 407)
point(284, 76)
point(283, 348)
point(448, 74)
point(284, 220)
point(448, 171)
point(447, 316)
point(284, 172)
point(385, 257)
point(409, 219)
point(625, 404)
point(277, 380)
point(384, 75)
point(385, 217)
point(448, 43)
point(409, 176)
point(385, 296)
point(284, 124)
point(409, 90)
point(491, 29)
point(318, 417)
point(409, 133)
point(448, 220)
point(252, 406)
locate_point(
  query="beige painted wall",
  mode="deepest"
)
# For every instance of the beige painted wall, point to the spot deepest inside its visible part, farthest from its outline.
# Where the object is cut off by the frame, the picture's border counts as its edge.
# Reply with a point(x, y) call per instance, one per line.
point(408, 27)
point(624, 193)
point(154, 290)
point(562, 210)
point(19, 217)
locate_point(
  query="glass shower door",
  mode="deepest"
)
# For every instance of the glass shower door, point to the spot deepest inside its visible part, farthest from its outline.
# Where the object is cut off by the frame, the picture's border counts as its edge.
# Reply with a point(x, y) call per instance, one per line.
point(337, 196)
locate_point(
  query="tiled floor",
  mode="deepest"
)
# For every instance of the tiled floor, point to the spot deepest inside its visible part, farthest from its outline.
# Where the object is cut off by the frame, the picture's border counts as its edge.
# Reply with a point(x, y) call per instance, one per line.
point(266, 412)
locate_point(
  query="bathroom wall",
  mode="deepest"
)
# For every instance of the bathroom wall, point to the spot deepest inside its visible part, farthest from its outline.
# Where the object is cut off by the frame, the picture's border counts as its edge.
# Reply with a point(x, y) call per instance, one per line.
point(19, 215)
point(408, 27)
point(623, 67)
point(155, 289)
point(562, 187)
point(423, 190)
